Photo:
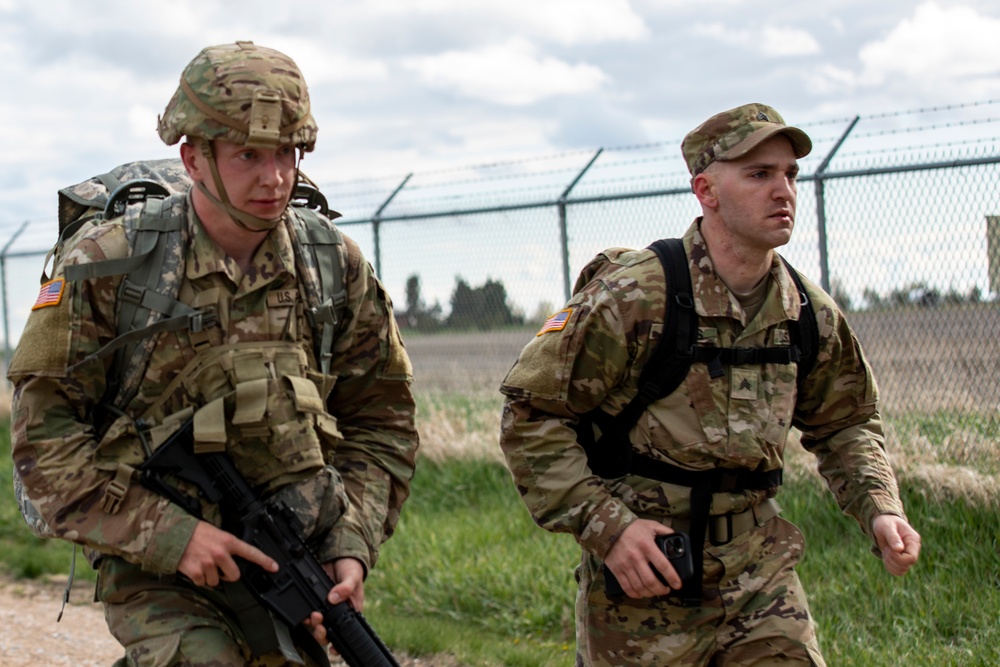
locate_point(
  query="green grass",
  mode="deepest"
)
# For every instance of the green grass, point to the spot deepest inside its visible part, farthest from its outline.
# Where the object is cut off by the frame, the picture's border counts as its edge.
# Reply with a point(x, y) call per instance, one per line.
point(468, 562)
point(943, 613)
point(469, 574)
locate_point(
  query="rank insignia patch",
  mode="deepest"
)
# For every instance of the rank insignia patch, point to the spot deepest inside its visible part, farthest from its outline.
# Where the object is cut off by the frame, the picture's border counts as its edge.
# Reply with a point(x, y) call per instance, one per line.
point(50, 294)
point(557, 322)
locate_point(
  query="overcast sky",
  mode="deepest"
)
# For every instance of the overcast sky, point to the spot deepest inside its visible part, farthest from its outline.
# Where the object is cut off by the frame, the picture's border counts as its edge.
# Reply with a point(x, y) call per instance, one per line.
point(415, 85)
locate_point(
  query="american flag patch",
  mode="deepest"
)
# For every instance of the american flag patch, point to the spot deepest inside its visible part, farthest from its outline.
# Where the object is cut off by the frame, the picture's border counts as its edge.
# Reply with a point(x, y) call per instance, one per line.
point(557, 322)
point(50, 294)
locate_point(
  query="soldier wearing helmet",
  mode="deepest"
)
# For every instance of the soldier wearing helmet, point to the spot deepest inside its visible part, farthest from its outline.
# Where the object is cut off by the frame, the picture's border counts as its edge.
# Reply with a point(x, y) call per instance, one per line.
point(246, 96)
point(311, 401)
point(706, 458)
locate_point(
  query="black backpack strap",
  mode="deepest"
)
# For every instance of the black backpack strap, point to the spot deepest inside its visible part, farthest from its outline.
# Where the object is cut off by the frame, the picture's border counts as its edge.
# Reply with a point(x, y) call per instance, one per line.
point(610, 455)
point(671, 360)
point(804, 332)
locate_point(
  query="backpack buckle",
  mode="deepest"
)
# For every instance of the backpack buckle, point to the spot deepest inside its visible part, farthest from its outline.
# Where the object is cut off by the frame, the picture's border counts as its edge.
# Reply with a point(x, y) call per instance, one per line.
point(132, 293)
point(202, 319)
point(323, 314)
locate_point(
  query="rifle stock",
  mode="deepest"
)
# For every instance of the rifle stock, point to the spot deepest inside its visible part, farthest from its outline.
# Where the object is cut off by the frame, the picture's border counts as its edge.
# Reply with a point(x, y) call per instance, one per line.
point(300, 585)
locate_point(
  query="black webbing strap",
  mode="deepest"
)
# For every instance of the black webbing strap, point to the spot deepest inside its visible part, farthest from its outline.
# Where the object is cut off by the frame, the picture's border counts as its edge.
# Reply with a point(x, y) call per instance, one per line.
point(609, 455)
point(703, 484)
point(804, 332)
point(718, 357)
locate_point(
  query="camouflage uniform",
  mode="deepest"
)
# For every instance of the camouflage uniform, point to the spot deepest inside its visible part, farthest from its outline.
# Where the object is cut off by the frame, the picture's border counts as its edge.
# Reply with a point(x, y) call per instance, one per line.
point(339, 449)
point(751, 595)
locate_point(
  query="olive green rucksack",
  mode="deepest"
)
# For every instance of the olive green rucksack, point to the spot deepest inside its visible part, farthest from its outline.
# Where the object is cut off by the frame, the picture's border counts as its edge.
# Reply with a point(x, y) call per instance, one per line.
point(147, 298)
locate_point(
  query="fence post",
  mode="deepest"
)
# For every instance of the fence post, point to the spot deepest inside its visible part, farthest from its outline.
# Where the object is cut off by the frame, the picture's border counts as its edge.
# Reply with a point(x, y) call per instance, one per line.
point(377, 223)
point(563, 232)
point(3, 294)
point(824, 259)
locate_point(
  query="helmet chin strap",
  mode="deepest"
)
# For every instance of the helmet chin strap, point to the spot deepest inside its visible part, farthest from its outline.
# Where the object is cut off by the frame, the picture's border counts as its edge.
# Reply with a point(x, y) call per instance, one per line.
point(242, 218)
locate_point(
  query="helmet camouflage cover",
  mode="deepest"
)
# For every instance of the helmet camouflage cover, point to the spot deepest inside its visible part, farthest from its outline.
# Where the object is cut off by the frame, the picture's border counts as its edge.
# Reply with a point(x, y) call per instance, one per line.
point(244, 93)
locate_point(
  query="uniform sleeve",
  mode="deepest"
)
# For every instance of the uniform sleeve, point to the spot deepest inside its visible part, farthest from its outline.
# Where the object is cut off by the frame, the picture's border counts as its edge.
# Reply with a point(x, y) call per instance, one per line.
point(560, 375)
point(838, 415)
point(53, 436)
point(375, 413)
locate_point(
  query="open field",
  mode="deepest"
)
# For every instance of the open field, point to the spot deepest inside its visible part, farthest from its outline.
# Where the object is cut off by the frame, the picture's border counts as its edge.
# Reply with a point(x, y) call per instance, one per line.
point(925, 359)
point(936, 369)
point(929, 359)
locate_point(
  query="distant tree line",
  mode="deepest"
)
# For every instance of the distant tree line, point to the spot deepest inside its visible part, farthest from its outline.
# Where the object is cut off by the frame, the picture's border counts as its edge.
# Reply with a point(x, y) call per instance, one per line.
point(487, 306)
point(911, 295)
point(483, 307)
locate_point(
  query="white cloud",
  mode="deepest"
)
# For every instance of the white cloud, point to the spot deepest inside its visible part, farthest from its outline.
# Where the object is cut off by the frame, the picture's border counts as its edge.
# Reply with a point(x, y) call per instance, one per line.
point(778, 41)
point(769, 40)
point(565, 22)
point(577, 21)
point(512, 73)
point(953, 50)
point(831, 80)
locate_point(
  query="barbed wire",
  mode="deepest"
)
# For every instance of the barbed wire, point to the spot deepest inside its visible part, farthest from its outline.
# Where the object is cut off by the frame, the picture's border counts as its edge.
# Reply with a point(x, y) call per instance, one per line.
point(926, 128)
point(921, 147)
point(945, 107)
point(842, 121)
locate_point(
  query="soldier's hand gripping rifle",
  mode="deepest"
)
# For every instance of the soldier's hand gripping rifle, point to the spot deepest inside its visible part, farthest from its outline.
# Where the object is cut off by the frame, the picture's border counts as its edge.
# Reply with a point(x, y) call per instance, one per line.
point(301, 585)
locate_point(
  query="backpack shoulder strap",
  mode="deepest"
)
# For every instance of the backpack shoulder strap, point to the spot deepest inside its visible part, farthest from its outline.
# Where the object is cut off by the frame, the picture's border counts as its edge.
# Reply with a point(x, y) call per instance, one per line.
point(804, 332)
point(322, 260)
point(147, 296)
point(671, 359)
point(611, 454)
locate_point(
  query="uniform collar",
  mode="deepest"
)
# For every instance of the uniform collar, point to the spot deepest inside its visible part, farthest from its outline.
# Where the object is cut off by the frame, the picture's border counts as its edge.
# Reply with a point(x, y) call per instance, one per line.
point(713, 299)
point(274, 258)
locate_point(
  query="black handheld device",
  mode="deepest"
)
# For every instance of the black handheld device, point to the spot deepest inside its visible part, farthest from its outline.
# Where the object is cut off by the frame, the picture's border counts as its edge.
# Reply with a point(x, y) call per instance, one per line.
point(676, 547)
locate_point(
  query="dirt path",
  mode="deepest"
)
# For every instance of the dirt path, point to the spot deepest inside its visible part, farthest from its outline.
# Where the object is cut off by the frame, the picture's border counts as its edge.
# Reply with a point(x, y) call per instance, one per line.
point(31, 637)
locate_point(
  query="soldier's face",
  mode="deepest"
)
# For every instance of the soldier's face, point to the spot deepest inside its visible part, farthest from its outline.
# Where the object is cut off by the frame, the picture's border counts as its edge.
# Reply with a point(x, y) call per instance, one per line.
point(258, 181)
point(756, 194)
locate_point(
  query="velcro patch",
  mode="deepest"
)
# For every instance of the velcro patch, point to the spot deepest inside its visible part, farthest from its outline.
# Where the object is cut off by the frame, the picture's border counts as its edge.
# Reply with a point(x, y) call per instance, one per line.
point(557, 322)
point(744, 384)
point(50, 294)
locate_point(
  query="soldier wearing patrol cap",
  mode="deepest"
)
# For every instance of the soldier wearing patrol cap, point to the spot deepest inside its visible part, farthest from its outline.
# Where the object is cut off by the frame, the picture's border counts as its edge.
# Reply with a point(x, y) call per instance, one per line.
point(722, 422)
point(322, 421)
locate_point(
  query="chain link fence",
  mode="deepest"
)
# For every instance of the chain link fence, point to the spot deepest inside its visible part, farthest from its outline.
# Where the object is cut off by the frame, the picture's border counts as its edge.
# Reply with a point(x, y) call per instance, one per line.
point(897, 218)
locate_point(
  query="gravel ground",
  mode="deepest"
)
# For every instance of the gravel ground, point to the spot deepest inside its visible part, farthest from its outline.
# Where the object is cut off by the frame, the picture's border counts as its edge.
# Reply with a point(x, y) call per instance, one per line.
point(31, 637)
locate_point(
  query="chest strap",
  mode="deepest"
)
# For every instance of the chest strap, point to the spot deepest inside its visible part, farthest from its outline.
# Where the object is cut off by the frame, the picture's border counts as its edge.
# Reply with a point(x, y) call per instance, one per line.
point(718, 357)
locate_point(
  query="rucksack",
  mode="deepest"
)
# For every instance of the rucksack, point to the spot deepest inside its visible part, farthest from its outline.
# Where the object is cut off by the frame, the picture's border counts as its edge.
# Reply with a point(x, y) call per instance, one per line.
point(147, 301)
point(673, 355)
point(610, 455)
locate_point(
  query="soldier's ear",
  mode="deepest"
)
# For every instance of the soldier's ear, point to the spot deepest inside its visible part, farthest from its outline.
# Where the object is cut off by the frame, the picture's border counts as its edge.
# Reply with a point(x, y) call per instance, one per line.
point(704, 187)
point(190, 157)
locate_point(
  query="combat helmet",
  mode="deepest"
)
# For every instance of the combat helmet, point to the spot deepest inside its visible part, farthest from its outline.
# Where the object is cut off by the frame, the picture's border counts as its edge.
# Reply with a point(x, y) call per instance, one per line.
point(247, 94)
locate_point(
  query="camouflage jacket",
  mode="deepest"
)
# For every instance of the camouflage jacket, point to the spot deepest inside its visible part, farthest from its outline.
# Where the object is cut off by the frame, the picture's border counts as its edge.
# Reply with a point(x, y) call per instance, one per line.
point(741, 420)
point(256, 366)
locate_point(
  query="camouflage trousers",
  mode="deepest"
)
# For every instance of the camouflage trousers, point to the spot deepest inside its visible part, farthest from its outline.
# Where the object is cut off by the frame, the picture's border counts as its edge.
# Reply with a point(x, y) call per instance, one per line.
point(166, 621)
point(754, 611)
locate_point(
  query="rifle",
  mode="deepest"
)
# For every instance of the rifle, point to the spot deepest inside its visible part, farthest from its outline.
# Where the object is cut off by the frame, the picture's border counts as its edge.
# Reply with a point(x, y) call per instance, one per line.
point(300, 585)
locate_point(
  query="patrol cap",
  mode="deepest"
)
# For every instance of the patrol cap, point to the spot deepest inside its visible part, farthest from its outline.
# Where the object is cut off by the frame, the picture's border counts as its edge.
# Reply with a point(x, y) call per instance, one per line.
point(244, 93)
point(732, 134)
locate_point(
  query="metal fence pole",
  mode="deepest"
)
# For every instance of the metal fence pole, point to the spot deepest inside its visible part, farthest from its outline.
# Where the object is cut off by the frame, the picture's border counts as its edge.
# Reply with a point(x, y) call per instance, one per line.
point(824, 259)
point(3, 294)
point(563, 231)
point(377, 223)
